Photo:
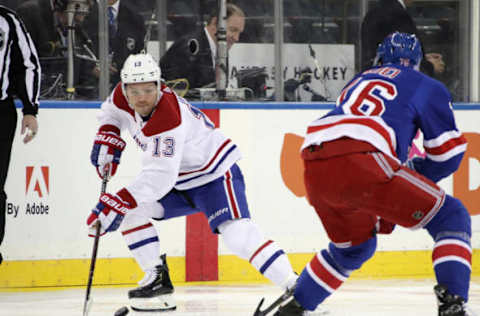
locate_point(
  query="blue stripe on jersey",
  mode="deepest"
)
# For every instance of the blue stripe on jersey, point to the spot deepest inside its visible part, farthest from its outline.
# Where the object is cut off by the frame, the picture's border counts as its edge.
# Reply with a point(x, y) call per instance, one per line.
point(142, 243)
point(269, 262)
point(213, 170)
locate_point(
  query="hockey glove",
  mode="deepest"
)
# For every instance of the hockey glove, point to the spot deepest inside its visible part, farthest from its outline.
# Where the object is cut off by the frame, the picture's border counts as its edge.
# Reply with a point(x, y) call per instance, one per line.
point(110, 211)
point(106, 152)
point(384, 226)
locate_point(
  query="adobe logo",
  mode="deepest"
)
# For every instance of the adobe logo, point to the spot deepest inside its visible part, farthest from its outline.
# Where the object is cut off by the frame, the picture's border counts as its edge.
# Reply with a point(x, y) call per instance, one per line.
point(37, 180)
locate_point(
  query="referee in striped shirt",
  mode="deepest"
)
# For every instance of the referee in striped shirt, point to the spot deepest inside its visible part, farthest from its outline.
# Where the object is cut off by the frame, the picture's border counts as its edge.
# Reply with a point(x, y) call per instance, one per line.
point(19, 77)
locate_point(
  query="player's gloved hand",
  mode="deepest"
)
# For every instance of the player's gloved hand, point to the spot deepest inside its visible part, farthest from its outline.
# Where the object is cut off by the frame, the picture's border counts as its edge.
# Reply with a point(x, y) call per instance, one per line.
point(414, 163)
point(110, 211)
point(107, 149)
point(384, 227)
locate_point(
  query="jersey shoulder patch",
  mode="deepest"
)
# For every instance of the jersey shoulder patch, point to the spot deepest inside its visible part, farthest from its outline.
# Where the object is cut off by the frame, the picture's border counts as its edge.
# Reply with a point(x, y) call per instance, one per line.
point(120, 100)
point(166, 117)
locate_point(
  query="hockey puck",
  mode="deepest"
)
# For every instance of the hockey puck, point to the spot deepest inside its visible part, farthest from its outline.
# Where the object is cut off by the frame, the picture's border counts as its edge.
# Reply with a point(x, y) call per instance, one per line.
point(122, 311)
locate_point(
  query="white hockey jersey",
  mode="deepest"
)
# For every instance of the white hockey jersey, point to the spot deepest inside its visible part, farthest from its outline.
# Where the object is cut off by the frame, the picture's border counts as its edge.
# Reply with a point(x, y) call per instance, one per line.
point(181, 146)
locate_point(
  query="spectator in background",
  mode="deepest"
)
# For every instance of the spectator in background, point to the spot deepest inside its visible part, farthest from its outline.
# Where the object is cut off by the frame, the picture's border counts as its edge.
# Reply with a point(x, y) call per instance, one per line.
point(20, 69)
point(193, 56)
point(126, 34)
point(46, 21)
point(386, 17)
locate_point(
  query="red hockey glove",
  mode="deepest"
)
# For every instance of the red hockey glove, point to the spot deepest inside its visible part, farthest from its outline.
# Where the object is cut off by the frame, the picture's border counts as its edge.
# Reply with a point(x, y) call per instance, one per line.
point(110, 211)
point(106, 151)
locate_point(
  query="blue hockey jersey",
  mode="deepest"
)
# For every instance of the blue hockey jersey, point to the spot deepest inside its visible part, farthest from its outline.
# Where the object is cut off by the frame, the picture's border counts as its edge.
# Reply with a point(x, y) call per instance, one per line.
point(386, 106)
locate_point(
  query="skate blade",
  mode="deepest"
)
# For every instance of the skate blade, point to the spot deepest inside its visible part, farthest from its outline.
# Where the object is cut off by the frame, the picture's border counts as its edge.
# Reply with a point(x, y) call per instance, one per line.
point(320, 311)
point(160, 303)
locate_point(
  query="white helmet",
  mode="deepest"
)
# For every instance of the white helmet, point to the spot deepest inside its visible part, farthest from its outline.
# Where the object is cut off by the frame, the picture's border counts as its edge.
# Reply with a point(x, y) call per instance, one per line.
point(140, 68)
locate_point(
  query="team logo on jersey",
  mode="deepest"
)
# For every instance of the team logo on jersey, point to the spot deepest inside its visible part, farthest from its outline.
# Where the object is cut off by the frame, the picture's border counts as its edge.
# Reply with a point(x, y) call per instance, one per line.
point(417, 215)
point(2, 39)
point(37, 180)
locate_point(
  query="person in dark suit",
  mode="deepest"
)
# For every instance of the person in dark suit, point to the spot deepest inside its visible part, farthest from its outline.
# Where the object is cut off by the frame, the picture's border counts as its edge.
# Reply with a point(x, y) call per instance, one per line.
point(126, 34)
point(386, 17)
point(193, 56)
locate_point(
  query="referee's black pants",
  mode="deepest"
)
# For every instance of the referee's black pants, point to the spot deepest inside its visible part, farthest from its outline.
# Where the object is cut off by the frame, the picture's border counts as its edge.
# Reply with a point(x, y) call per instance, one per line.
point(8, 124)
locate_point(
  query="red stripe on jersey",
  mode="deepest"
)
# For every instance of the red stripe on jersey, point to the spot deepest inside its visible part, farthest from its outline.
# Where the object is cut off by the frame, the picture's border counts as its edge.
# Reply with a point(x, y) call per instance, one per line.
point(451, 250)
point(447, 146)
point(360, 121)
point(211, 160)
point(259, 249)
point(231, 196)
point(126, 232)
point(323, 274)
point(166, 116)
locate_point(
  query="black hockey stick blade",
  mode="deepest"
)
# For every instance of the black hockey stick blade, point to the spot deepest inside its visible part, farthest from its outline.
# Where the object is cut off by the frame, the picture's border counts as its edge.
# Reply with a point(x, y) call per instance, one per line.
point(285, 296)
point(258, 312)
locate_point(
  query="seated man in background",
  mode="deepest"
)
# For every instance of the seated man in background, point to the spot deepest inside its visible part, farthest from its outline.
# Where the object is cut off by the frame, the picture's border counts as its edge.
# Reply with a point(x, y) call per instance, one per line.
point(193, 56)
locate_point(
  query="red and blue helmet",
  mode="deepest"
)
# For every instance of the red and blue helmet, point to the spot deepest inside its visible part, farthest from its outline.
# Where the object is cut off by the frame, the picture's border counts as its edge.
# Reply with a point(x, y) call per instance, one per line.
point(401, 49)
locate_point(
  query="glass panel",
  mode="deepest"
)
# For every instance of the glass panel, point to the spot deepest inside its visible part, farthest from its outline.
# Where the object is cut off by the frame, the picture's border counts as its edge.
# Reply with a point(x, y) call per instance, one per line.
point(47, 23)
point(438, 27)
point(321, 50)
point(126, 33)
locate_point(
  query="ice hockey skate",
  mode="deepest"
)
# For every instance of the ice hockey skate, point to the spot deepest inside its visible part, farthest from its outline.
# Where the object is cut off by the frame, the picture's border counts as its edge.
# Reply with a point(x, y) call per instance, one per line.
point(450, 305)
point(155, 292)
point(291, 308)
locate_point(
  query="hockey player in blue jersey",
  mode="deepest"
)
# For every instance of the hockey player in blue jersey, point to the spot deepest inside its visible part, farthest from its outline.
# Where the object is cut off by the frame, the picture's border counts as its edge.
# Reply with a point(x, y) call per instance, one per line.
point(360, 183)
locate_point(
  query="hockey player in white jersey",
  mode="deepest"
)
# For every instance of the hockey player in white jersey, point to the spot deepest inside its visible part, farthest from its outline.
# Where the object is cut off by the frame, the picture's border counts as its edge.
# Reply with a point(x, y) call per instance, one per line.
point(188, 166)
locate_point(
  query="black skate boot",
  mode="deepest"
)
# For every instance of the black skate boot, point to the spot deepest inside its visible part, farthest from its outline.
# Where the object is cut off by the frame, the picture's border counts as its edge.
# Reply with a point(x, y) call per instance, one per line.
point(155, 290)
point(292, 308)
point(448, 304)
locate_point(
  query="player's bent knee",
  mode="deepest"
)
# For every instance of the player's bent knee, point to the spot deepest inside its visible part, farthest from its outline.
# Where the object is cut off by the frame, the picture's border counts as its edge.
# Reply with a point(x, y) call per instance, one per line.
point(132, 220)
point(452, 218)
point(352, 258)
point(241, 236)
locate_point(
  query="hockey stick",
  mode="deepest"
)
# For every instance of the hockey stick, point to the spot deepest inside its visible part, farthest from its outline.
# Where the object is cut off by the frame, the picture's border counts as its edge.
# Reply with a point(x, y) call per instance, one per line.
point(285, 296)
point(88, 302)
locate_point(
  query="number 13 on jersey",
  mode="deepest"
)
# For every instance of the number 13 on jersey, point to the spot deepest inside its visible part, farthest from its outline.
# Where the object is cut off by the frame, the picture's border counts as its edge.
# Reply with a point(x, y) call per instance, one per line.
point(163, 147)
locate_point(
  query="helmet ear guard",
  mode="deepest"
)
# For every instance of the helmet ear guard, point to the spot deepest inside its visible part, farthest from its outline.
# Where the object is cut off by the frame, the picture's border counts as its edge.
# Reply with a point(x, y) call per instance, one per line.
point(401, 49)
point(139, 68)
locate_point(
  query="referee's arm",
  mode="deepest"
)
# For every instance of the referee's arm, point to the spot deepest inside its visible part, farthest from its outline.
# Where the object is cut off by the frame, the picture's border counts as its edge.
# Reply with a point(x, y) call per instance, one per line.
point(20, 62)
